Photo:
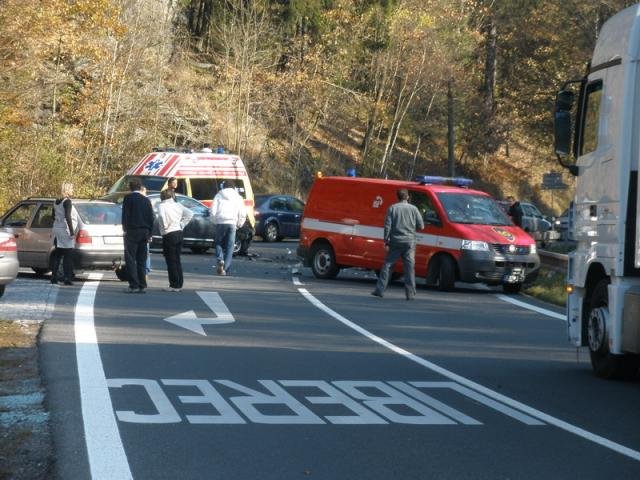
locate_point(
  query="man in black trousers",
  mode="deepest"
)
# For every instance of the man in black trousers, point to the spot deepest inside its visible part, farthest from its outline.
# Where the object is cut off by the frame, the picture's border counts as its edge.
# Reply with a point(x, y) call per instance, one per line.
point(137, 223)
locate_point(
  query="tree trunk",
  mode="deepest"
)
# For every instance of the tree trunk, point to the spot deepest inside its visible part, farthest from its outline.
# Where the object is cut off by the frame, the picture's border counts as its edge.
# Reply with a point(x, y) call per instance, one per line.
point(450, 130)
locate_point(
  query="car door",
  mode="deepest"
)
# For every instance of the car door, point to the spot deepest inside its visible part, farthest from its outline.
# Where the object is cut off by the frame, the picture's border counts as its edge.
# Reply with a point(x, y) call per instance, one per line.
point(201, 227)
point(278, 209)
point(295, 208)
point(16, 222)
point(40, 240)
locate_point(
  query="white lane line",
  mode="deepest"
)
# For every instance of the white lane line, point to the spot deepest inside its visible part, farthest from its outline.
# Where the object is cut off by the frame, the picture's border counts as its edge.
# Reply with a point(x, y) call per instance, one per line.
point(107, 458)
point(543, 311)
point(543, 417)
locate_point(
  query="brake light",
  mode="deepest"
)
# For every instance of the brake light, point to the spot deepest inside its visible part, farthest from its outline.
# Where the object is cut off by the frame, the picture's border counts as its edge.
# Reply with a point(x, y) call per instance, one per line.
point(8, 245)
point(248, 203)
point(83, 237)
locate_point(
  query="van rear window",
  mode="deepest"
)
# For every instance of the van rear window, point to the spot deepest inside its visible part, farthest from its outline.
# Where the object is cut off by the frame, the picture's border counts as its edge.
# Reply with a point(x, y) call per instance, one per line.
point(472, 209)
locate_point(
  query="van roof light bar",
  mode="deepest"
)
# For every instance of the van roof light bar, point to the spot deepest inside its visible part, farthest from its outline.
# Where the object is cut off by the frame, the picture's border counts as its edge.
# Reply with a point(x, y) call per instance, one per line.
point(436, 180)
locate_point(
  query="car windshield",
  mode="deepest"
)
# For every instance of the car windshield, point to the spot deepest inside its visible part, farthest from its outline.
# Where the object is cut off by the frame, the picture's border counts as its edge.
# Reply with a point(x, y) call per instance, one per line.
point(151, 182)
point(99, 213)
point(472, 209)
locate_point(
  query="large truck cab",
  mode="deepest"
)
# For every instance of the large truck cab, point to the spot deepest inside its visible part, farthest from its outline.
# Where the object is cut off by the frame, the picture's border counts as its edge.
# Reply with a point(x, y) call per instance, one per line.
point(603, 308)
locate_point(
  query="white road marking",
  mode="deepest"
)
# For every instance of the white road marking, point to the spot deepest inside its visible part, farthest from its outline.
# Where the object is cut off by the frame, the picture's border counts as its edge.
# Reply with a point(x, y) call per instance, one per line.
point(190, 321)
point(107, 458)
point(541, 416)
point(528, 306)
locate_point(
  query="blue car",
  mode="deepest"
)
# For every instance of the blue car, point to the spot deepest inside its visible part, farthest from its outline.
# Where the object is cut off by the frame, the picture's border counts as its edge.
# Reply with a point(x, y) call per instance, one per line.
point(278, 217)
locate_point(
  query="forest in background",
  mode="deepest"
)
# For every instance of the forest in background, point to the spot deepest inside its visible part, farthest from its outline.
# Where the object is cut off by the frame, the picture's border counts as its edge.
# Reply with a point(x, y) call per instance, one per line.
point(394, 88)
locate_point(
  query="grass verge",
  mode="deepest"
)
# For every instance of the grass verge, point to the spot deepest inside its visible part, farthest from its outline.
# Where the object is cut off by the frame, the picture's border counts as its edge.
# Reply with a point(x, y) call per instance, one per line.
point(549, 287)
point(25, 441)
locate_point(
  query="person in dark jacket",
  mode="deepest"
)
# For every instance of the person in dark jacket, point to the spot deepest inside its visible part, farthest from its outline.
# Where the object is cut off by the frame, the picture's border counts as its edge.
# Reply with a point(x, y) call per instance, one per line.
point(400, 226)
point(137, 224)
point(515, 211)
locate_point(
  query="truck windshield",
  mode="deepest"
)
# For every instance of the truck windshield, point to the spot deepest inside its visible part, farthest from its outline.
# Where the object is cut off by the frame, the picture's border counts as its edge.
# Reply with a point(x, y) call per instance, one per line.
point(472, 209)
point(152, 183)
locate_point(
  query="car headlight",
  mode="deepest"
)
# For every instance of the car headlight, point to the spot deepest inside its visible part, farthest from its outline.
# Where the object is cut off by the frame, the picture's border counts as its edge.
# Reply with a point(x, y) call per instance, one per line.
point(534, 249)
point(475, 245)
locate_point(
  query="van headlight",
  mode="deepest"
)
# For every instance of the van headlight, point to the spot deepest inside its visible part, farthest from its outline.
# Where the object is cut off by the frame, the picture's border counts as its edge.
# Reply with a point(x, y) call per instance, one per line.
point(475, 245)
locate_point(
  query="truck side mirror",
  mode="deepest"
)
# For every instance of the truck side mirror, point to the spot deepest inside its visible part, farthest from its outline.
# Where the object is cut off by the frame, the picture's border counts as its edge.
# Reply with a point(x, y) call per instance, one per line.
point(562, 123)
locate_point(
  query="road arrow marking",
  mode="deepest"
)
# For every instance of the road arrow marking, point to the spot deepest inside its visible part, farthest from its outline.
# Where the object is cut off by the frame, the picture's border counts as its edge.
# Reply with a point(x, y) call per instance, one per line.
point(190, 321)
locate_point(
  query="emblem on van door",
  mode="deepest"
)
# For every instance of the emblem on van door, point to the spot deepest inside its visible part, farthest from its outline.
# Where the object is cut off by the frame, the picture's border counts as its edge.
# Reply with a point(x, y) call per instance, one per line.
point(501, 231)
point(377, 202)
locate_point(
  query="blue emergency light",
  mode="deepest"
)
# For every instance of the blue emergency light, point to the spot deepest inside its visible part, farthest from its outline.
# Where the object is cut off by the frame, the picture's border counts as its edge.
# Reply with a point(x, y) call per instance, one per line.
point(435, 180)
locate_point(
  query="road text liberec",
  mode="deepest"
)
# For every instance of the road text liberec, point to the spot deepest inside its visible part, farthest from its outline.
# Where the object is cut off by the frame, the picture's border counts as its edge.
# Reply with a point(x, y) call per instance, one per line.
point(338, 402)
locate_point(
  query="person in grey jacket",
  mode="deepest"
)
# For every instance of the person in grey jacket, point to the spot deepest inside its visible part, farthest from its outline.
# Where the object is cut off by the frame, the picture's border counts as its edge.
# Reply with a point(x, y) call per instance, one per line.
point(400, 226)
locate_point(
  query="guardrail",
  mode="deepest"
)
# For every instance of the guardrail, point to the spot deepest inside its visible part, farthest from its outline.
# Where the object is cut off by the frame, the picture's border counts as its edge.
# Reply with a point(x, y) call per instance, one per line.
point(553, 261)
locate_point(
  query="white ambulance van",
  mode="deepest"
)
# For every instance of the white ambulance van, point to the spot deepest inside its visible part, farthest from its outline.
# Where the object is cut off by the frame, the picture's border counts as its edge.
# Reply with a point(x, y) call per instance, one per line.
point(467, 236)
point(200, 175)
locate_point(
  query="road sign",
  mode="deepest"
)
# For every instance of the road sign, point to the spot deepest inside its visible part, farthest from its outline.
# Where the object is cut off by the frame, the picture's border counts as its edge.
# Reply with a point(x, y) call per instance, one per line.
point(553, 181)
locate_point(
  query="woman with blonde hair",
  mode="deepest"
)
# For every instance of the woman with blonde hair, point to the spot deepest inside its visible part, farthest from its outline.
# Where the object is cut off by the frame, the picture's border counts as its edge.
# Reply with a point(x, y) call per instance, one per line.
point(65, 221)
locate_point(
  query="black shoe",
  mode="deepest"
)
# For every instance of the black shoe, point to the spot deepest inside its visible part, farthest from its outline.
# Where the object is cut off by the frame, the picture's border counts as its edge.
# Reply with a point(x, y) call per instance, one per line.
point(68, 282)
point(130, 290)
point(54, 281)
point(140, 290)
point(376, 293)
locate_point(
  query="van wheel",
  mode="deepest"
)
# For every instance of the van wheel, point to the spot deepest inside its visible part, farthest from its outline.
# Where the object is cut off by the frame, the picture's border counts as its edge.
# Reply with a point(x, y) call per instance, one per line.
point(446, 274)
point(511, 288)
point(271, 232)
point(604, 363)
point(323, 261)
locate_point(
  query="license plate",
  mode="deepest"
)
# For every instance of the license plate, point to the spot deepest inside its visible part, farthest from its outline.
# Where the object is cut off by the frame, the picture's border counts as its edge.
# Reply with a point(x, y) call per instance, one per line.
point(515, 276)
point(113, 241)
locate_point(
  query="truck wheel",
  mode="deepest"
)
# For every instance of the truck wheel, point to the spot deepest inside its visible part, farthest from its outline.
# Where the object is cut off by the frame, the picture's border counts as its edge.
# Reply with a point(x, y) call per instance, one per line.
point(511, 287)
point(604, 363)
point(323, 261)
point(446, 274)
point(270, 232)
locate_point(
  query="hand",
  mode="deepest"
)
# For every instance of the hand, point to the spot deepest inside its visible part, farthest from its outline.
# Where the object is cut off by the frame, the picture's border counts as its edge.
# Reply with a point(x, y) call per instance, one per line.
point(386, 248)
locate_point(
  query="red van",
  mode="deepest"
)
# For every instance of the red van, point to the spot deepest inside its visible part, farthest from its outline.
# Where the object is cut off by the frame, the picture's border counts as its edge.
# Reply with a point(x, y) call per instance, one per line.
point(467, 236)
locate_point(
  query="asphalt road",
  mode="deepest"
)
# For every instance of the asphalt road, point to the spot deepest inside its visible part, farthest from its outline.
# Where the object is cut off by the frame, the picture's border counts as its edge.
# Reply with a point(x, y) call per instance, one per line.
point(269, 374)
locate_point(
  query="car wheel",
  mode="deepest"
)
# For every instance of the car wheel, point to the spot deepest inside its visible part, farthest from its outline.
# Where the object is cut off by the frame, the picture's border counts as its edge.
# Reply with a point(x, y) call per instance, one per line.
point(511, 288)
point(323, 261)
point(40, 271)
point(271, 232)
point(446, 274)
point(604, 363)
point(199, 249)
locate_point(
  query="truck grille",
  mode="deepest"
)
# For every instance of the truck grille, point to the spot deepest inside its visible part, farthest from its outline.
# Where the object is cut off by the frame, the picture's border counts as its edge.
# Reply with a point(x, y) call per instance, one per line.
point(504, 249)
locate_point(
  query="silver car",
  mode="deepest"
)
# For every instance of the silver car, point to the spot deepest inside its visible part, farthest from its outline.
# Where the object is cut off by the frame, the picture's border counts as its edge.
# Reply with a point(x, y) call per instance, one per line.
point(8, 260)
point(99, 240)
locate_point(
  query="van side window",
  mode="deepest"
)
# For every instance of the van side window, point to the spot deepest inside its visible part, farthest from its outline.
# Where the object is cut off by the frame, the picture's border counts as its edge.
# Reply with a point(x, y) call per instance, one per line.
point(203, 188)
point(426, 207)
point(590, 122)
point(182, 186)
